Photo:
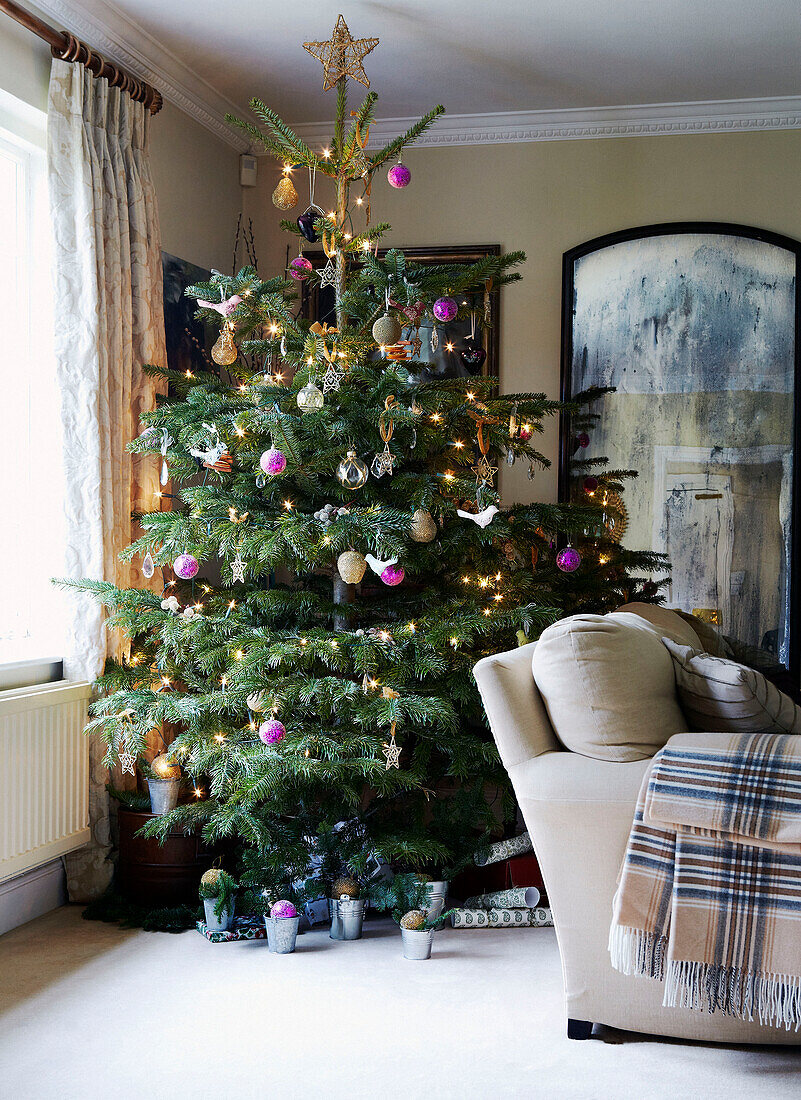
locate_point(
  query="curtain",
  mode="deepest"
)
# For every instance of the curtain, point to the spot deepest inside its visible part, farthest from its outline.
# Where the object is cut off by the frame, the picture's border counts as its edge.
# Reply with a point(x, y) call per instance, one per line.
point(109, 323)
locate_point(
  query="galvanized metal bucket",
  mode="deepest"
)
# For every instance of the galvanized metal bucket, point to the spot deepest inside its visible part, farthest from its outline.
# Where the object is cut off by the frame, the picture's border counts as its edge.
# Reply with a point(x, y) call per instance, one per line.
point(437, 892)
point(281, 934)
point(163, 795)
point(417, 944)
point(224, 921)
point(347, 915)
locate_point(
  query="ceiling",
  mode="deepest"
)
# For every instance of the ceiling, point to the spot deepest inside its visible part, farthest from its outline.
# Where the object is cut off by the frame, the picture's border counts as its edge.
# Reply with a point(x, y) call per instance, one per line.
point(475, 56)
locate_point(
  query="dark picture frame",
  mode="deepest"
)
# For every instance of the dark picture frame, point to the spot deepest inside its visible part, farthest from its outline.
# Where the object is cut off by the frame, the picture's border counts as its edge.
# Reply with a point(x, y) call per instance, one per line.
point(317, 305)
point(588, 362)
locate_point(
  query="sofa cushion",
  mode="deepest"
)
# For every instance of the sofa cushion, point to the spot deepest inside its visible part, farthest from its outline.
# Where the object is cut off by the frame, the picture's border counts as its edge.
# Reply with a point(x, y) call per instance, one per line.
point(608, 686)
point(721, 696)
point(667, 622)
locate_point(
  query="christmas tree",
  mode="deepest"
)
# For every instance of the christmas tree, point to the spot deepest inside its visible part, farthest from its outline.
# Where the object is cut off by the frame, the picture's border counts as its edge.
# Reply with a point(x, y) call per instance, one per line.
point(354, 557)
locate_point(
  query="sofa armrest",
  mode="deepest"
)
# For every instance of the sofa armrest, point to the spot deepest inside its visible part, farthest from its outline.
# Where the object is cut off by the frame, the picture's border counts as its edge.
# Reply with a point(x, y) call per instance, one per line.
point(514, 707)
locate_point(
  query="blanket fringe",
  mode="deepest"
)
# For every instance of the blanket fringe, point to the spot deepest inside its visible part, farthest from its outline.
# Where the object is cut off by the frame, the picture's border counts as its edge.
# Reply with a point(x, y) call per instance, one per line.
point(634, 951)
point(775, 999)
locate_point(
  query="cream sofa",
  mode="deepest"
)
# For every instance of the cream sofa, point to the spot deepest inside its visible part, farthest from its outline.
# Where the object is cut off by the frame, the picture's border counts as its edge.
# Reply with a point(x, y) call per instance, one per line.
point(578, 811)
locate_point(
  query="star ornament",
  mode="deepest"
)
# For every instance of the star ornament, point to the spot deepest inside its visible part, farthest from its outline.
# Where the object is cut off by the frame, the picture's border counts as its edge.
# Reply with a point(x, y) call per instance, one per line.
point(484, 471)
point(342, 56)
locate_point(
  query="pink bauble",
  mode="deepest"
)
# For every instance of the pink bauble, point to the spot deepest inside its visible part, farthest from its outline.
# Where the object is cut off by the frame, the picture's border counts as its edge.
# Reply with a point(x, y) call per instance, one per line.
point(273, 461)
point(272, 731)
point(300, 268)
point(185, 566)
point(590, 484)
point(445, 309)
point(525, 434)
point(283, 909)
point(568, 560)
point(392, 575)
point(399, 175)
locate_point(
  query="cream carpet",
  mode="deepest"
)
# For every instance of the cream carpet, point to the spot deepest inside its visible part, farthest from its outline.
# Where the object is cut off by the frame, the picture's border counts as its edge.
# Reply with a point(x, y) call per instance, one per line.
point(93, 1012)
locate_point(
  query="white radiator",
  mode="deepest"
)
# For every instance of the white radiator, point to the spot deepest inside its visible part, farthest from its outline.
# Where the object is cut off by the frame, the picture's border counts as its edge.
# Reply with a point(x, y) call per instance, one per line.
point(44, 774)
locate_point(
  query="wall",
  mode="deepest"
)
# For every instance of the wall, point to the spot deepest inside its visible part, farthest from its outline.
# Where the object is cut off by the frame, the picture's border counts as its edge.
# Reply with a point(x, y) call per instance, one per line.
point(546, 197)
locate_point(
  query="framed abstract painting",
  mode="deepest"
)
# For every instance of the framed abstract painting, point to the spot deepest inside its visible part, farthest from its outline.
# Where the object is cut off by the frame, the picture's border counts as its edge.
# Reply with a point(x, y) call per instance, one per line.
point(695, 326)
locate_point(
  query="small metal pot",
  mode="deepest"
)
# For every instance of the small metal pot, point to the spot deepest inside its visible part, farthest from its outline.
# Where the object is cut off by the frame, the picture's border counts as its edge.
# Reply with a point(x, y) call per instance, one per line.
point(417, 944)
point(163, 795)
point(437, 892)
point(281, 934)
point(221, 923)
point(347, 915)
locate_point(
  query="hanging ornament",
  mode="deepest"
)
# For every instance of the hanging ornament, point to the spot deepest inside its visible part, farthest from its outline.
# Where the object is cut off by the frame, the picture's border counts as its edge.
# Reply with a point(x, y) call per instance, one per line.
point(582, 440)
point(483, 518)
point(415, 312)
point(392, 575)
point(531, 471)
point(484, 470)
point(351, 472)
point(148, 566)
point(445, 309)
point(328, 276)
point(472, 354)
point(399, 175)
point(300, 268)
point(185, 566)
point(510, 457)
point(285, 196)
point(514, 422)
point(224, 351)
point(306, 223)
point(378, 566)
point(127, 761)
point(525, 433)
point(351, 566)
point(392, 750)
point(590, 485)
point(310, 398)
point(166, 443)
point(225, 308)
point(238, 567)
point(568, 560)
point(273, 461)
point(213, 451)
point(434, 342)
point(387, 330)
point(487, 302)
point(384, 461)
point(424, 528)
point(332, 379)
point(272, 731)
point(255, 701)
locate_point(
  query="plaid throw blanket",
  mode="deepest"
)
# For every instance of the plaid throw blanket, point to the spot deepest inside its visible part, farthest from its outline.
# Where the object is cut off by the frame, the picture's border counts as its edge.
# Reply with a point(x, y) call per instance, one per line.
point(709, 897)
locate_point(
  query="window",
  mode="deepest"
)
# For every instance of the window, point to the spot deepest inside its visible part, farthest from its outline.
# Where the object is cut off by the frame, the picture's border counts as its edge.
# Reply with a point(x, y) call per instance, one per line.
point(31, 524)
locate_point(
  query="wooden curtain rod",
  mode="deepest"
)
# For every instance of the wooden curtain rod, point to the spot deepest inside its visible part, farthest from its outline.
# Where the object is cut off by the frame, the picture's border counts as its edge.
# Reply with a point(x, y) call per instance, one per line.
point(68, 48)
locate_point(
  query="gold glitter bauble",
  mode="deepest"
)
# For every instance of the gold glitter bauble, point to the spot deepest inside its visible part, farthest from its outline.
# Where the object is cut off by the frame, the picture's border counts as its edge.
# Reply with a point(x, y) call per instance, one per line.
point(347, 886)
point(285, 196)
point(351, 566)
point(386, 331)
point(414, 919)
point(424, 527)
point(224, 352)
point(165, 768)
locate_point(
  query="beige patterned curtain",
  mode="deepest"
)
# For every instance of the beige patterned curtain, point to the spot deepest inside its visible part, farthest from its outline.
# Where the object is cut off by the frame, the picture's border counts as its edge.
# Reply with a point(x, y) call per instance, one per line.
point(109, 322)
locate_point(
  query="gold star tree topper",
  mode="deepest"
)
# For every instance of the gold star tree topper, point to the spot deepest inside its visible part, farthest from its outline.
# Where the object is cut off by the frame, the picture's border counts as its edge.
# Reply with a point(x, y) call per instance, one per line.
point(342, 55)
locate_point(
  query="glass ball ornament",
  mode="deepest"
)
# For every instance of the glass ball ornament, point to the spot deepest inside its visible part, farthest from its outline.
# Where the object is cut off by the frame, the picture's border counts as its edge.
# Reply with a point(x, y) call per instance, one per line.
point(283, 909)
point(273, 461)
point(582, 440)
point(590, 485)
point(445, 309)
point(352, 472)
point(300, 268)
point(255, 701)
point(568, 560)
point(392, 575)
point(224, 350)
point(306, 223)
point(285, 196)
point(310, 398)
point(185, 566)
point(399, 175)
point(272, 731)
point(472, 354)
point(387, 331)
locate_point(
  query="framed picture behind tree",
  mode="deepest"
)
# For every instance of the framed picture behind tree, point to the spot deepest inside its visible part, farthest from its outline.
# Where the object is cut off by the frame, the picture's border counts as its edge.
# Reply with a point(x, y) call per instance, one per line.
point(696, 326)
point(443, 356)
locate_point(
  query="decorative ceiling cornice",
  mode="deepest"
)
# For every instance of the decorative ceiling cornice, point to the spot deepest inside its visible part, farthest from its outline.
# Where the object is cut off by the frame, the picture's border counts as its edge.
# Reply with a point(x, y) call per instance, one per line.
point(111, 32)
point(125, 42)
point(728, 115)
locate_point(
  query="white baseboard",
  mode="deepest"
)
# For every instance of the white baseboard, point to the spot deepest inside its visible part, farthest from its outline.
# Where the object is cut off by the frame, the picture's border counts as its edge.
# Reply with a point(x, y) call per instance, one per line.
point(32, 894)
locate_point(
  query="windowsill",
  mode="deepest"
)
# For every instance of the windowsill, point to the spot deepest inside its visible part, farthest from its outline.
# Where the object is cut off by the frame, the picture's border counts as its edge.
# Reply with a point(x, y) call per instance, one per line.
point(30, 671)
